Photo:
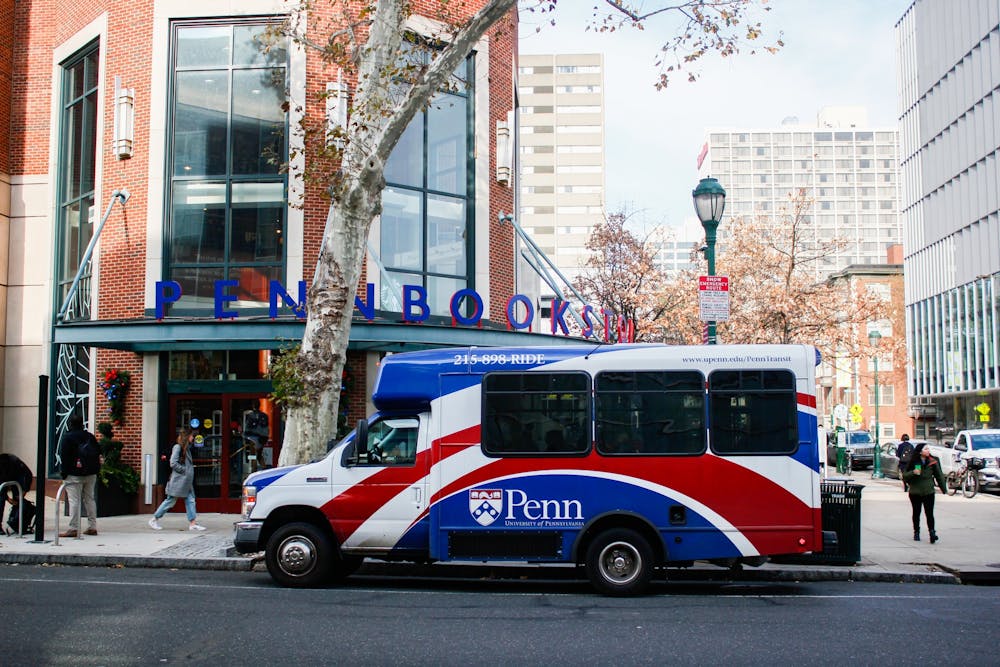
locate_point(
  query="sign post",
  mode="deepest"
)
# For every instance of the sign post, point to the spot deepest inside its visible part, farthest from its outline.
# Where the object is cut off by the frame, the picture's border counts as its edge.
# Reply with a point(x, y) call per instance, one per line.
point(713, 302)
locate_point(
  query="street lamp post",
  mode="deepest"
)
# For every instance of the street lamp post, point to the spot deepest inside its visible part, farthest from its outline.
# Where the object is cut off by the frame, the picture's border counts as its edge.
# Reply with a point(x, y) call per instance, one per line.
point(874, 338)
point(709, 203)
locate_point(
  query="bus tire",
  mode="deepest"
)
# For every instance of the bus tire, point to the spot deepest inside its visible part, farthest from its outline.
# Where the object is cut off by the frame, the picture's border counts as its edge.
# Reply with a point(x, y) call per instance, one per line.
point(619, 562)
point(299, 555)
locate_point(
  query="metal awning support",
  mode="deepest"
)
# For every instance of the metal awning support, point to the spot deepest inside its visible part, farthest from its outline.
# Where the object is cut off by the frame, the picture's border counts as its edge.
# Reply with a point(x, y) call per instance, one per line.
point(122, 195)
point(545, 268)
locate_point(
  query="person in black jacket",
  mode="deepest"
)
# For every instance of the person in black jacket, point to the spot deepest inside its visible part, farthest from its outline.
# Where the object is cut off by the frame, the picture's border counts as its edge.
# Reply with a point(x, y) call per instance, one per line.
point(79, 462)
point(921, 474)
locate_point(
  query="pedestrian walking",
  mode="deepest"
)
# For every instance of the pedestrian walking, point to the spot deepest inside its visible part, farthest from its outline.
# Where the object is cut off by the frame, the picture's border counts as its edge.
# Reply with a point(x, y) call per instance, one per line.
point(181, 483)
point(924, 470)
point(79, 458)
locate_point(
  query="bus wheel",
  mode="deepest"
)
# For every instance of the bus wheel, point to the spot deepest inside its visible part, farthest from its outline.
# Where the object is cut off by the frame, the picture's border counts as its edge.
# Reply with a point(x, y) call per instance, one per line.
point(620, 562)
point(299, 555)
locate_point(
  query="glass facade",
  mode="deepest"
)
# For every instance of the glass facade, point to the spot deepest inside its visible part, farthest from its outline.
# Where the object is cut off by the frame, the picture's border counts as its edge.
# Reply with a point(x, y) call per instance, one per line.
point(76, 189)
point(426, 221)
point(228, 142)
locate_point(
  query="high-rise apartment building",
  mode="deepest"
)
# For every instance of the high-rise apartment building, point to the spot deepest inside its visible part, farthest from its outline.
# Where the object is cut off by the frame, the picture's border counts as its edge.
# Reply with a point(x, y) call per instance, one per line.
point(847, 168)
point(562, 153)
point(949, 85)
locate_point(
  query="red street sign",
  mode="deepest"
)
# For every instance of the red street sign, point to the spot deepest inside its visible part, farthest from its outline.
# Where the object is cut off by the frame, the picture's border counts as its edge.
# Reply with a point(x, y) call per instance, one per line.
point(713, 283)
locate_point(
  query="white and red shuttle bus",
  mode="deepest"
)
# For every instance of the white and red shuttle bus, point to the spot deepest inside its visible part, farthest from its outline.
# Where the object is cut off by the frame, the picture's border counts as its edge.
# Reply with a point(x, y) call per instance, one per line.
point(621, 459)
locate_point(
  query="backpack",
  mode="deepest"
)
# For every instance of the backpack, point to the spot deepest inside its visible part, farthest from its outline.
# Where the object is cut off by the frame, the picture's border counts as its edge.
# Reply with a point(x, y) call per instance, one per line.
point(88, 456)
point(904, 453)
point(15, 514)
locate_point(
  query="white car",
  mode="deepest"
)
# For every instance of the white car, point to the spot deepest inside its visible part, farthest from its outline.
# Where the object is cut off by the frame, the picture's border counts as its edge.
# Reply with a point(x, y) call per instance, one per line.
point(979, 443)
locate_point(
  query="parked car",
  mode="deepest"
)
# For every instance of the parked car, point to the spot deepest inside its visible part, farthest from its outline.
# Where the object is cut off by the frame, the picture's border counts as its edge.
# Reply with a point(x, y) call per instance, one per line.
point(980, 443)
point(888, 459)
point(859, 443)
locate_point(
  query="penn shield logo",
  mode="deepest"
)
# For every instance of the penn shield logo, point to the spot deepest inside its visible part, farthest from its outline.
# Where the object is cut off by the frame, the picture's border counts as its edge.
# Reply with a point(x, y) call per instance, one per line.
point(485, 505)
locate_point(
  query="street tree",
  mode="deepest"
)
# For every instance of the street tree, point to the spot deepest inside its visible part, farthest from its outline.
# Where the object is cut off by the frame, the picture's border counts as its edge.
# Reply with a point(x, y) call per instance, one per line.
point(373, 44)
point(619, 274)
point(780, 293)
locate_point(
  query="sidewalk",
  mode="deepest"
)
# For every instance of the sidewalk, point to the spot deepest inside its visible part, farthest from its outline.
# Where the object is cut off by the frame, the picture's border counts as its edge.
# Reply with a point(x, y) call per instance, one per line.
point(968, 551)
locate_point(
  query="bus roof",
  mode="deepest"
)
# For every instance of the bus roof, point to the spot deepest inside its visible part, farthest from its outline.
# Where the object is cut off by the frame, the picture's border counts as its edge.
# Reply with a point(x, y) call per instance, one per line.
point(411, 380)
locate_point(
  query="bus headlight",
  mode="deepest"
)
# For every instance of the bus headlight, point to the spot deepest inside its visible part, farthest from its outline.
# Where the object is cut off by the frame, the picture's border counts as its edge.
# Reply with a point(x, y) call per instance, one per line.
point(249, 500)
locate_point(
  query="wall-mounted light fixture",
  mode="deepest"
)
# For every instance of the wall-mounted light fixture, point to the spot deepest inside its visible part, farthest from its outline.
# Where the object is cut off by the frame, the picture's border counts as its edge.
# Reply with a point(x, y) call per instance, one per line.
point(336, 111)
point(124, 120)
point(505, 151)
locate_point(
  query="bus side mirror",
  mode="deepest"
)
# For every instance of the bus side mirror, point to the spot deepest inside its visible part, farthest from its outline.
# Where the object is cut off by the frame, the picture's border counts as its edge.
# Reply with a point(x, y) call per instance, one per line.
point(360, 439)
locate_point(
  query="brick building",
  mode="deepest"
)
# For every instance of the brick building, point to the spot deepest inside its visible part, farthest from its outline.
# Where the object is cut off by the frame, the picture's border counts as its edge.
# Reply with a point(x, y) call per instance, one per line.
point(159, 128)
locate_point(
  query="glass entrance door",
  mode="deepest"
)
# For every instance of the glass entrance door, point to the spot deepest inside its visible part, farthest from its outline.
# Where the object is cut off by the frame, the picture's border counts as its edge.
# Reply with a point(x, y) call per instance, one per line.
point(234, 436)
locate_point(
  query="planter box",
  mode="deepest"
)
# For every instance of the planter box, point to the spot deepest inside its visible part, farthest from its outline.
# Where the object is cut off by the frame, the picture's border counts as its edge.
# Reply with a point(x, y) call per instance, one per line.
point(112, 501)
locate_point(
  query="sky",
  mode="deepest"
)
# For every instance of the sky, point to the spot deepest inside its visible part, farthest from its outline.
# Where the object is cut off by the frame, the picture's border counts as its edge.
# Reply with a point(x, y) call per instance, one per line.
point(836, 53)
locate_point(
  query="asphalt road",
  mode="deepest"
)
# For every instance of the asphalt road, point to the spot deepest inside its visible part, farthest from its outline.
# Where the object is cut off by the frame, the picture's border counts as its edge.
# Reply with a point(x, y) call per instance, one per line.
point(101, 616)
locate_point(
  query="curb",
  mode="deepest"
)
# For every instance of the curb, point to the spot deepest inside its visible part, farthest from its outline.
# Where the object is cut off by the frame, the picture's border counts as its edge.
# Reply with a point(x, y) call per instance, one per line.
point(378, 568)
point(231, 564)
point(383, 569)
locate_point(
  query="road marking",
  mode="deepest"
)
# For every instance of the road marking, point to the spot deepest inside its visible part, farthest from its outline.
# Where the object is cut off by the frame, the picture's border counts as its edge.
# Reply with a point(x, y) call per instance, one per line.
point(147, 584)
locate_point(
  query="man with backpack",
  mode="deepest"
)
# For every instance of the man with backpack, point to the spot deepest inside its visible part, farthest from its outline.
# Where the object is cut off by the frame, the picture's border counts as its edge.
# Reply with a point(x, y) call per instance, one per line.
point(79, 462)
point(904, 452)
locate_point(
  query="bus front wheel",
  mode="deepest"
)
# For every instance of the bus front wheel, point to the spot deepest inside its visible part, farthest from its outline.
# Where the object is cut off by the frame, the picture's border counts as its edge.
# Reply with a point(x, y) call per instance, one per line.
point(620, 562)
point(299, 555)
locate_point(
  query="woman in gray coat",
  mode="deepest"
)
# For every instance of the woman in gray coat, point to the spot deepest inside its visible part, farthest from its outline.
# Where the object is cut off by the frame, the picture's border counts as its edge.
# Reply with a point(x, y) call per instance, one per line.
point(180, 484)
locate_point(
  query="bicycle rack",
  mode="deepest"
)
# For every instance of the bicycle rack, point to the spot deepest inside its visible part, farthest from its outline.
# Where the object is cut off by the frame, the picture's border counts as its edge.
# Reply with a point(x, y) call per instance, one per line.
point(62, 488)
point(20, 505)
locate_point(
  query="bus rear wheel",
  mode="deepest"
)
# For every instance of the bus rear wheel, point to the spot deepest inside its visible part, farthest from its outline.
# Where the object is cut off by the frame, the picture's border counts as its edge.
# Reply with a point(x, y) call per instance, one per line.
point(620, 562)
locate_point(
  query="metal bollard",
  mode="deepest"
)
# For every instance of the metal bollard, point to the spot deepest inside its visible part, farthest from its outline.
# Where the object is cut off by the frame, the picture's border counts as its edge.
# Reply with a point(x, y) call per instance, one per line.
point(62, 488)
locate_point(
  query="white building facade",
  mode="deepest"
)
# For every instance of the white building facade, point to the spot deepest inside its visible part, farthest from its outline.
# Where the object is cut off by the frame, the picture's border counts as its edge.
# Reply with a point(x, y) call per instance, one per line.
point(561, 124)
point(949, 117)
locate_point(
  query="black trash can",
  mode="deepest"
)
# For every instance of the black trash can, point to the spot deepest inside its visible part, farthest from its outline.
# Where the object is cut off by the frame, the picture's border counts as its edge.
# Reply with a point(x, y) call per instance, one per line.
point(841, 510)
point(840, 503)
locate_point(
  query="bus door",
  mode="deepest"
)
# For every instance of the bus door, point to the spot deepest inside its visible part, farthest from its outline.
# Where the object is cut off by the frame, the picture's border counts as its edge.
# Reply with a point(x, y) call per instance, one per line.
point(384, 497)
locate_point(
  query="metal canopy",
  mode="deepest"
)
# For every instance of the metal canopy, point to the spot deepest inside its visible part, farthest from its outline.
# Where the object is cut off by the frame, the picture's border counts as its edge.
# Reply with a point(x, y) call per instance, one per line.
point(147, 335)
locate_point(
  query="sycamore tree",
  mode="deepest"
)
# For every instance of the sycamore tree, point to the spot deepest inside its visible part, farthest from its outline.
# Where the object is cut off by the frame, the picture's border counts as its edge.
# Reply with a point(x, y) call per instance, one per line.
point(620, 274)
point(372, 43)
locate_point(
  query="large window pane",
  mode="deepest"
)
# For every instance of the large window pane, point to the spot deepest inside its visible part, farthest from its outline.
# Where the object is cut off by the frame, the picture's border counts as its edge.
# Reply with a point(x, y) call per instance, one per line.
point(207, 46)
point(199, 223)
point(258, 121)
point(447, 128)
point(257, 222)
point(402, 226)
point(445, 235)
point(440, 291)
point(252, 47)
point(405, 165)
point(201, 117)
point(254, 285)
point(73, 156)
point(197, 286)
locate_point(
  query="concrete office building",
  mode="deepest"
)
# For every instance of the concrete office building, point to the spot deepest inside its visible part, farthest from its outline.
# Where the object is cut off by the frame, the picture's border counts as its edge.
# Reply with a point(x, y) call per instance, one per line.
point(562, 153)
point(949, 118)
